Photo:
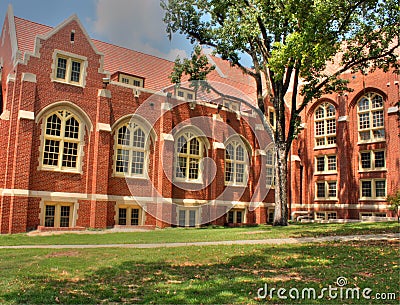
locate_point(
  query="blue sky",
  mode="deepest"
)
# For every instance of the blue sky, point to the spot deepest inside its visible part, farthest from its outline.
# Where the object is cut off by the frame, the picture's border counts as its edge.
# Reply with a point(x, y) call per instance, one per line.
point(135, 24)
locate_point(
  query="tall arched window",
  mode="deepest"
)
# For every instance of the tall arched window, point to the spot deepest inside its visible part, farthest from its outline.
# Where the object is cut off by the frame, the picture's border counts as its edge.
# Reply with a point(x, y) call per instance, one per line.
point(189, 152)
point(371, 123)
point(62, 141)
point(325, 125)
point(235, 163)
point(131, 150)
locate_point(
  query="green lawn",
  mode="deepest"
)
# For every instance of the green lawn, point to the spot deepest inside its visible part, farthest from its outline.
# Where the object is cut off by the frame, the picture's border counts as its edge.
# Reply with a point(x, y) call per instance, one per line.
point(196, 275)
point(205, 234)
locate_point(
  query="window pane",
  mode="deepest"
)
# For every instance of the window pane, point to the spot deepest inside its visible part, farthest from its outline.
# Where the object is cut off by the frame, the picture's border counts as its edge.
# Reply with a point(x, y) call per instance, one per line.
point(182, 146)
point(122, 217)
point(320, 164)
point(181, 167)
point(49, 216)
point(230, 217)
point(377, 102)
point(75, 71)
point(137, 162)
point(379, 159)
point(135, 217)
point(363, 104)
point(321, 189)
point(332, 215)
point(270, 158)
point(53, 126)
point(229, 172)
point(192, 218)
point(72, 128)
point(61, 68)
point(51, 152)
point(364, 121)
point(70, 154)
point(366, 160)
point(379, 134)
point(193, 168)
point(229, 152)
point(239, 217)
point(331, 163)
point(240, 173)
point(182, 218)
point(320, 128)
point(331, 126)
point(139, 138)
point(366, 190)
point(124, 136)
point(122, 161)
point(377, 119)
point(240, 153)
point(194, 147)
point(332, 189)
point(319, 114)
point(365, 135)
point(380, 188)
point(64, 216)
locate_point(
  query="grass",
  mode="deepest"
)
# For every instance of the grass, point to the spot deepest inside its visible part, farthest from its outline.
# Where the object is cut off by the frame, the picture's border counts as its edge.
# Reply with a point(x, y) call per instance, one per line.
point(196, 275)
point(206, 234)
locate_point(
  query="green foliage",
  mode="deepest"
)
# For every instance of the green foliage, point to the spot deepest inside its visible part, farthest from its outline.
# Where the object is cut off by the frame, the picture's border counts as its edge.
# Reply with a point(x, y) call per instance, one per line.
point(394, 201)
point(197, 68)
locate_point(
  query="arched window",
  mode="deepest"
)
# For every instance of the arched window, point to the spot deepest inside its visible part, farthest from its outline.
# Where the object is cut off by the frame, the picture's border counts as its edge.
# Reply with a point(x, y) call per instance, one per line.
point(235, 163)
point(63, 133)
point(131, 150)
point(189, 152)
point(371, 123)
point(325, 125)
point(270, 173)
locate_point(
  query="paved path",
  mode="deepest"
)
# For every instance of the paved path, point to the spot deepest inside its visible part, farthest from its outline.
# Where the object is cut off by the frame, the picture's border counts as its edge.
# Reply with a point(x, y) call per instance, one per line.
point(273, 241)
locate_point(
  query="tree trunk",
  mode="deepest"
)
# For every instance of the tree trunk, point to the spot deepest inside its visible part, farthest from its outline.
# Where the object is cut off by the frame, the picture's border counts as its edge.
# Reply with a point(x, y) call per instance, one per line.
point(281, 185)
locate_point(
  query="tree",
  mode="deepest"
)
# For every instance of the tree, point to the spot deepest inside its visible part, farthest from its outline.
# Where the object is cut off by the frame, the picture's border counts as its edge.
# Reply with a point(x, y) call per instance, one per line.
point(291, 43)
point(197, 68)
point(394, 201)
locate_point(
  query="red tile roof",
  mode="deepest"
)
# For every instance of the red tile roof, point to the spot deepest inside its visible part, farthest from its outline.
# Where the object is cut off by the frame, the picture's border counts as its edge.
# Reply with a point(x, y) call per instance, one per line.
point(155, 70)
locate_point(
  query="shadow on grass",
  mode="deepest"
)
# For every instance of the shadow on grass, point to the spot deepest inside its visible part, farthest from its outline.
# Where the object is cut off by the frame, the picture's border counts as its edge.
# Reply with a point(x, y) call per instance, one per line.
point(168, 278)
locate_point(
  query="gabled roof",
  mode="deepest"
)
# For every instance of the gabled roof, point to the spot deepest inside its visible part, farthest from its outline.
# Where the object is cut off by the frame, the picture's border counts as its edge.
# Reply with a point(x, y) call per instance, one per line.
point(155, 70)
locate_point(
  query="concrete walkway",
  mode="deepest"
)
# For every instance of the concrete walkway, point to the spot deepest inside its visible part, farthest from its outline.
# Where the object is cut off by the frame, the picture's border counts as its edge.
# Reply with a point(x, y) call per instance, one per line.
point(274, 241)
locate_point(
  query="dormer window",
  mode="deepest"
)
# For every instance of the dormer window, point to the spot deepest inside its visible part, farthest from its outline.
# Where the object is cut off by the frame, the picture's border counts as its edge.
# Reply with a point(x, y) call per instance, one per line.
point(131, 80)
point(69, 68)
point(185, 93)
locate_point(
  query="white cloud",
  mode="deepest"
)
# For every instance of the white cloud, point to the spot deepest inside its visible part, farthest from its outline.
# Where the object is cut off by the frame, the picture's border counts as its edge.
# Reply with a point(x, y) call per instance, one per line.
point(138, 25)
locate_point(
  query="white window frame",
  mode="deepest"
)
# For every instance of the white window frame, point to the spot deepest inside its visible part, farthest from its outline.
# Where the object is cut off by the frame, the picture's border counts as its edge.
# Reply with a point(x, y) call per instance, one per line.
point(370, 112)
point(57, 217)
point(69, 57)
point(372, 154)
point(326, 215)
point(187, 211)
point(130, 80)
point(62, 139)
point(326, 164)
point(132, 127)
point(325, 120)
point(234, 162)
point(270, 166)
point(129, 208)
point(373, 189)
point(326, 185)
point(186, 94)
point(373, 214)
point(189, 135)
point(235, 213)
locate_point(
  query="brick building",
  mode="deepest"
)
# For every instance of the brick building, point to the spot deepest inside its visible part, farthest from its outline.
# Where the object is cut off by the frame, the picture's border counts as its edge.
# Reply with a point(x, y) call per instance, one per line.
point(94, 135)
